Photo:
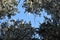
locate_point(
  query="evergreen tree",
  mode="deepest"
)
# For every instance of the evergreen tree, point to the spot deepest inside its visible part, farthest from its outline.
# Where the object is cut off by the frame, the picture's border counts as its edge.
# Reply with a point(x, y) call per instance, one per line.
point(19, 30)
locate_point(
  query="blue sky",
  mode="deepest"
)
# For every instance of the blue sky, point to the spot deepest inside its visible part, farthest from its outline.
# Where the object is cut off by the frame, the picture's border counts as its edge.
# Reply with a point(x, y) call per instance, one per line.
point(34, 20)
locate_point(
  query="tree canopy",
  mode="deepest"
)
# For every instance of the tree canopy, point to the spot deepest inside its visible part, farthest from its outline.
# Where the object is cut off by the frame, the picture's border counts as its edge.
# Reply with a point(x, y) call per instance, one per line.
point(50, 28)
point(8, 7)
point(19, 30)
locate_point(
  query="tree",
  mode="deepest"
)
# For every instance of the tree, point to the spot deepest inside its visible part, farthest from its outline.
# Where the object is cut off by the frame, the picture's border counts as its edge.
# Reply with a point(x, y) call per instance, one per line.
point(50, 6)
point(17, 31)
point(32, 6)
point(50, 29)
point(35, 39)
point(8, 7)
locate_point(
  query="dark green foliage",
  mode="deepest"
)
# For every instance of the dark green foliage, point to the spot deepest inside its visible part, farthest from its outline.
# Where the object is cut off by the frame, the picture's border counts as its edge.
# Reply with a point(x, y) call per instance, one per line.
point(32, 6)
point(35, 6)
point(35, 39)
point(50, 31)
point(17, 31)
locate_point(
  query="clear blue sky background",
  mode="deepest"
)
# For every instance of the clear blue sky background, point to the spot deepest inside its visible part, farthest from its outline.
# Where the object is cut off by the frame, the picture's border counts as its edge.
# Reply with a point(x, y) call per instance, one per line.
point(34, 20)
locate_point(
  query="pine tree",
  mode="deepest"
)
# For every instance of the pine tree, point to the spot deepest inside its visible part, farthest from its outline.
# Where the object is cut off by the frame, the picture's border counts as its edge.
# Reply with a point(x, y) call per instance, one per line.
point(50, 29)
